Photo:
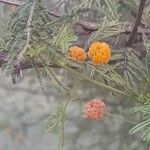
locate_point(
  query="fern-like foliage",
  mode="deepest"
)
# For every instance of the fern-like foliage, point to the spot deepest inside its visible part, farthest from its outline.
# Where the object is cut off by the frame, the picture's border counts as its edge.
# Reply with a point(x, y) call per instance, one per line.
point(144, 109)
point(143, 126)
point(43, 40)
point(19, 24)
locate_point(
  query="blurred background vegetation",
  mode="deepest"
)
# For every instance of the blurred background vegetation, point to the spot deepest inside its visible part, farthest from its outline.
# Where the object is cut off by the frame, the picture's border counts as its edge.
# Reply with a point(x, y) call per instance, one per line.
point(31, 107)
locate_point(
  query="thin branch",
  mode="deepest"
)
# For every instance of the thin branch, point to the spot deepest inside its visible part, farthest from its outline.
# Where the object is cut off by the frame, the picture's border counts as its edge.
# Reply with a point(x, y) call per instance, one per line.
point(94, 81)
point(137, 23)
point(57, 80)
point(53, 13)
point(21, 57)
point(87, 25)
point(49, 70)
point(11, 2)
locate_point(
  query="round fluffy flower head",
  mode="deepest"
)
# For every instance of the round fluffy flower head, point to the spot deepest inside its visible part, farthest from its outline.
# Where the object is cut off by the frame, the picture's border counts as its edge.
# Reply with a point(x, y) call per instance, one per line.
point(94, 109)
point(99, 53)
point(77, 53)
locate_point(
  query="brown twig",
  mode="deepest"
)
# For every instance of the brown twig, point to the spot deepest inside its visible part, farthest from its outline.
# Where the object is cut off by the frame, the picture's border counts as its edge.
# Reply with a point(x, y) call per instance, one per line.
point(53, 13)
point(137, 23)
point(11, 2)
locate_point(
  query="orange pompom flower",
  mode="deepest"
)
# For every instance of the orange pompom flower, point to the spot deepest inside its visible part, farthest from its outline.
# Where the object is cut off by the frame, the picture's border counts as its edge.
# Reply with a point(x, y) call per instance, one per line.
point(94, 109)
point(77, 53)
point(99, 53)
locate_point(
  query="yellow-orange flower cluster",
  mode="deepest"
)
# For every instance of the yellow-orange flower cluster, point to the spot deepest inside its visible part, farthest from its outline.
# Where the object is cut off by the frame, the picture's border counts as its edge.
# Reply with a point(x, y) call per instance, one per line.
point(99, 53)
point(77, 54)
point(94, 109)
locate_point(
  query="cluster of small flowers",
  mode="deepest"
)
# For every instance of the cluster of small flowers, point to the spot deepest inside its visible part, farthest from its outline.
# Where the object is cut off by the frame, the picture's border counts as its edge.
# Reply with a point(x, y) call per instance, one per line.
point(77, 53)
point(94, 109)
point(99, 53)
